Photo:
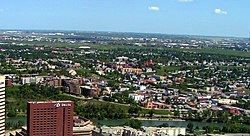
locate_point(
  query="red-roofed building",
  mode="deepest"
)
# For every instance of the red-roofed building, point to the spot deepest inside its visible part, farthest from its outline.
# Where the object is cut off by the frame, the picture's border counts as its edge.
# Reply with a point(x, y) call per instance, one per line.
point(149, 63)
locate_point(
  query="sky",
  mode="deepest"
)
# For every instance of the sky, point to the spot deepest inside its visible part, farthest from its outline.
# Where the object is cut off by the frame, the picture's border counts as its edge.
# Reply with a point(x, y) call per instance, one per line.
point(191, 17)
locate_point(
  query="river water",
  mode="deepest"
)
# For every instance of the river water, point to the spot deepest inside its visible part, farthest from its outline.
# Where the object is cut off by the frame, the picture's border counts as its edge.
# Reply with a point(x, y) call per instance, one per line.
point(144, 122)
point(156, 123)
point(15, 120)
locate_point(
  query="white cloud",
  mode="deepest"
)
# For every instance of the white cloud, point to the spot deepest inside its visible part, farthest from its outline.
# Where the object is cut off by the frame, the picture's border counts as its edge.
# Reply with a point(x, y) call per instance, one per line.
point(220, 11)
point(185, 0)
point(153, 8)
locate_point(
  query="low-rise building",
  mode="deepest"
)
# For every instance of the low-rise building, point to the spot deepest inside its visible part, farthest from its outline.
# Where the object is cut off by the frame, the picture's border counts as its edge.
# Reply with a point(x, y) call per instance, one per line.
point(144, 131)
point(82, 127)
point(29, 80)
point(137, 96)
point(72, 87)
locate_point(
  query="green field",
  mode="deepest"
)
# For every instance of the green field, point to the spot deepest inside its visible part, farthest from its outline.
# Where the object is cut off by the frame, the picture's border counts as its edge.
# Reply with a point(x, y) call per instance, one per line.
point(219, 52)
point(110, 47)
point(165, 69)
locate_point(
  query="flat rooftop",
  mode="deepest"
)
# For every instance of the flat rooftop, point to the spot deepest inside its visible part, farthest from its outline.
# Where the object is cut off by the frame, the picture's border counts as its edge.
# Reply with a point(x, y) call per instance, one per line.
point(39, 102)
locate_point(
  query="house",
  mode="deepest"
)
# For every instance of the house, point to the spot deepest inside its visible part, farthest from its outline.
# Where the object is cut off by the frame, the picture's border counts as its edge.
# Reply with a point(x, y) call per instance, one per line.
point(137, 96)
point(232, 110)
point(149, 63)
point(72, 72)
point(224, 101)
point(154, 104)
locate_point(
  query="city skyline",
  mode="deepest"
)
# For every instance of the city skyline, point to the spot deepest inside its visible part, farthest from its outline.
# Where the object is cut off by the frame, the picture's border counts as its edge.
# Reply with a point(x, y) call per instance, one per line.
point(181, 17)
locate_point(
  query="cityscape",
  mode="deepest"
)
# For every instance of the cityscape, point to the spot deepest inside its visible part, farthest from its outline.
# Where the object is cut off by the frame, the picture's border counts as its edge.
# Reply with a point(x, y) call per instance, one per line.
point(127, 79)
point(125, 68)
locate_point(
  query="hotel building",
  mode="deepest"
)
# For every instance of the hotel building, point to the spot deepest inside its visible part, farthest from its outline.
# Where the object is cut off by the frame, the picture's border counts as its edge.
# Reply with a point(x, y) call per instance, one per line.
point(50, 118)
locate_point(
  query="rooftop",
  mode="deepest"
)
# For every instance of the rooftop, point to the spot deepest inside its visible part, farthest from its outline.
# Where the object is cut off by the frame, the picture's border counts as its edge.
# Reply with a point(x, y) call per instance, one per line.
point(39, 102)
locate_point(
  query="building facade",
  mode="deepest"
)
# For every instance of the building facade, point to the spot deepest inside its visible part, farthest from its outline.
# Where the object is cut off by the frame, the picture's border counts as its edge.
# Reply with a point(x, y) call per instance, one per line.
point(82, 127)
point(2, 105)
point(143, 131)
point(50, 118)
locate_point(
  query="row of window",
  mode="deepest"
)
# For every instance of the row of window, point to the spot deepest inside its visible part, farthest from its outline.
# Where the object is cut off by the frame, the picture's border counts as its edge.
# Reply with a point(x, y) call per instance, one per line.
point(43, 128)
point(42, 116)
point(44, 134)
point(44, 124)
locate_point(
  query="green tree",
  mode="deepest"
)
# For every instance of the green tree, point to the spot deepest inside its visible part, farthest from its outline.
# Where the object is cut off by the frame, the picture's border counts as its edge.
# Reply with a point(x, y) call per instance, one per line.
point(210, 128)
point(12, 113)
point(164, 125)
point(151, 113)
point(168, 100)
point(134, 110)
point(190, 127)
point(20, 123)
point(177, 113)
point(134, 123)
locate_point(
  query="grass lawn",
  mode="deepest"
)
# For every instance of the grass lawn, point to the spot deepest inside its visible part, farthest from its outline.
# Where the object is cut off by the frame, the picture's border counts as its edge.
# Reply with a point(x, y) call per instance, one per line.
point(165, 69)
point(126, 107)
point(244, 90)
point(230, 67)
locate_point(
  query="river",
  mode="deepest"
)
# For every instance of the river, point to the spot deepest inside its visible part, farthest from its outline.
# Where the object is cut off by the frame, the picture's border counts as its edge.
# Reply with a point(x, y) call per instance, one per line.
point(156, 123)
point(15, 120)
point(144, 122)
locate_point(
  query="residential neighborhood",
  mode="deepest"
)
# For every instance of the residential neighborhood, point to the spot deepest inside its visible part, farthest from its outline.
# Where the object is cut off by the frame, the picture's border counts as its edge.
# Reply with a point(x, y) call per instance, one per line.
point(184, 83)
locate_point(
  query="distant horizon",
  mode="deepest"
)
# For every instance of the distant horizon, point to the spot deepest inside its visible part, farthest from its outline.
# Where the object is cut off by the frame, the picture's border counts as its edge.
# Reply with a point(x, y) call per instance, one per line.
point(55, 30)
point(223, 18)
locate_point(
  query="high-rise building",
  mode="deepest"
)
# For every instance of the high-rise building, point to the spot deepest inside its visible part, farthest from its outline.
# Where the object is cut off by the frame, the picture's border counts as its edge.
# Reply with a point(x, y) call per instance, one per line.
point(50, 118)
point(2, 105)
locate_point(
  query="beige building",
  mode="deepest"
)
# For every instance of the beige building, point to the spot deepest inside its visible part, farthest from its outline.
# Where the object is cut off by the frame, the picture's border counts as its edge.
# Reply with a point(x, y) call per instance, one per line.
point(144, 131)
point(82, 127)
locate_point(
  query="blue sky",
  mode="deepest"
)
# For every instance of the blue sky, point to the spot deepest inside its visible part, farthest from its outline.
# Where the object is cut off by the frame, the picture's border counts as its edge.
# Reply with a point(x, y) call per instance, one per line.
point(193, 17)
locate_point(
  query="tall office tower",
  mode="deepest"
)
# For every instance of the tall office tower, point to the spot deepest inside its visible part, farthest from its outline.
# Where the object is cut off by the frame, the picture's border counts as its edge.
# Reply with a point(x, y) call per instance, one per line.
point(2, 105)
point(50, 118)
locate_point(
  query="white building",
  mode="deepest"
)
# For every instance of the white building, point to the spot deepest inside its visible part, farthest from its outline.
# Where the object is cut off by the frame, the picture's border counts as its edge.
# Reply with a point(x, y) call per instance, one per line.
point(29, 80)
point(136, 96)
point(142, 88)
point(121, 59)
point(2, 105)
point(168, 131)
point(225, 101)
point(72, 72)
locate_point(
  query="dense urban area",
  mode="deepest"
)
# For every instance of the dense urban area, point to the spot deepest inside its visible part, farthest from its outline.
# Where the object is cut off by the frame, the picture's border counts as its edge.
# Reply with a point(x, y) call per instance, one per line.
point(131, 77)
